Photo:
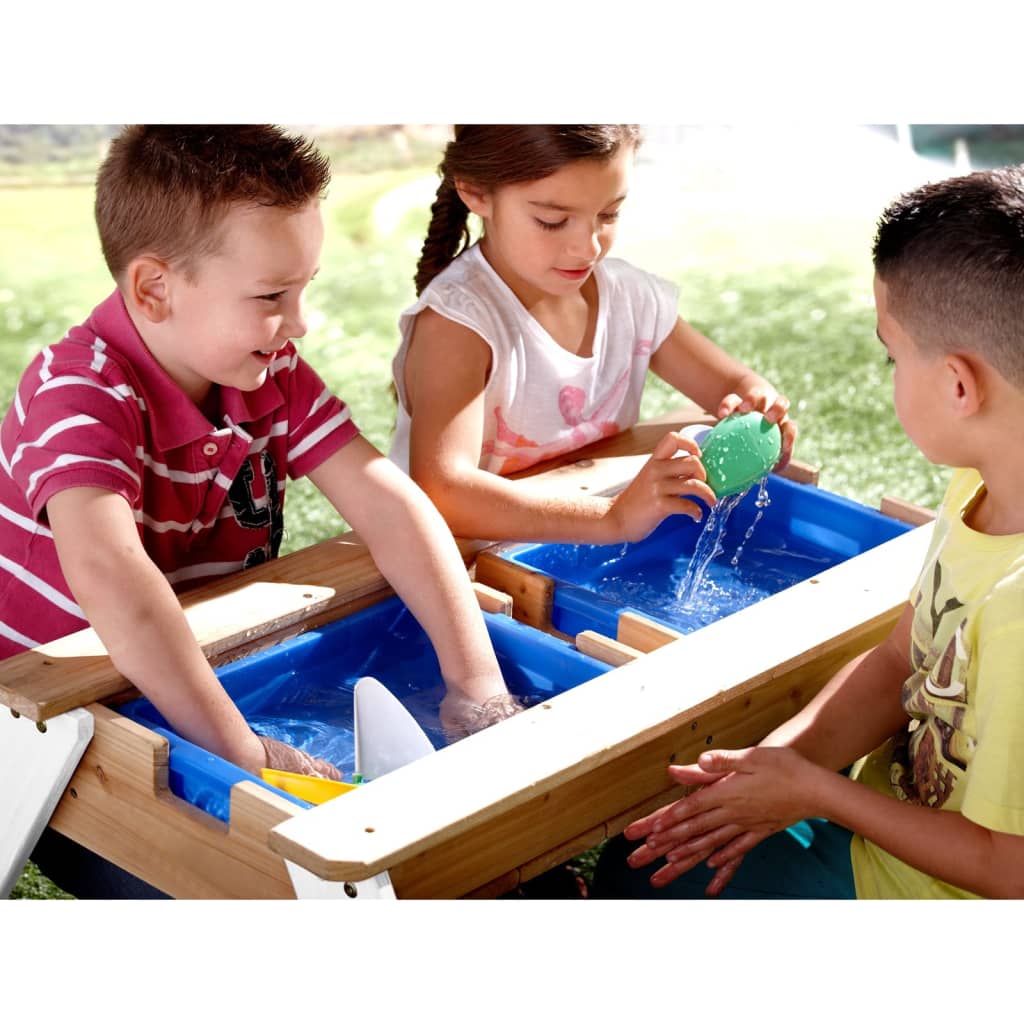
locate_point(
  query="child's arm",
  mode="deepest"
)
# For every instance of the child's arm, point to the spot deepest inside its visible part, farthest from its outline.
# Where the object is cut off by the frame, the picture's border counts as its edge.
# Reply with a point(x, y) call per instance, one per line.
point(697, 367)
point(136, 614)
point(858, 709)
point(417, 554)
point(447, 373)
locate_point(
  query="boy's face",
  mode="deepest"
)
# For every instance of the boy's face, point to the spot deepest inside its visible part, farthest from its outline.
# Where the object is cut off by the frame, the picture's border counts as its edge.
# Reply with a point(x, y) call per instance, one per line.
point(918, 380)
point(243, 303)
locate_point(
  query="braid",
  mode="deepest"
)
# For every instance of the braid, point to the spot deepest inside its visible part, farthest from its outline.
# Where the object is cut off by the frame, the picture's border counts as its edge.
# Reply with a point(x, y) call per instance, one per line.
point(447, 235)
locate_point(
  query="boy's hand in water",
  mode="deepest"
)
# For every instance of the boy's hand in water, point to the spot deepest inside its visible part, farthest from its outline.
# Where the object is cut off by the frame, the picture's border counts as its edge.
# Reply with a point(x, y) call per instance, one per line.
point(670, 478)
point(462, 716)
point(284, 758)
point(761, 397)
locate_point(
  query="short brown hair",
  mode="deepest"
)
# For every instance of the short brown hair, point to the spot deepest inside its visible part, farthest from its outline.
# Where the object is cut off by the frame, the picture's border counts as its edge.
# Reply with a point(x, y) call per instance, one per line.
point(164, 189)
point(951, 255)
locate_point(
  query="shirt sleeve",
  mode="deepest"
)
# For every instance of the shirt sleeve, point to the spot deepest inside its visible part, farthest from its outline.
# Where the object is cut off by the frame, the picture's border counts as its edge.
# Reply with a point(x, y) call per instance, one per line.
point(319, 423)
point(78, 430)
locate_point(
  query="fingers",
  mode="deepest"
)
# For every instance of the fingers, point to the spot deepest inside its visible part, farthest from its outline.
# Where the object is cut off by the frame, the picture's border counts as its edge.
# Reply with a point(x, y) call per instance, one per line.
point(762, 398)
point(737, 847)
point(685, 807)
point(730, 404)
point(286, 758)
point(693, 774)
point(789, 432)
point(674, 442)
point(714, 763)
point(723, 876)
point(675, 468)
point(461, 717)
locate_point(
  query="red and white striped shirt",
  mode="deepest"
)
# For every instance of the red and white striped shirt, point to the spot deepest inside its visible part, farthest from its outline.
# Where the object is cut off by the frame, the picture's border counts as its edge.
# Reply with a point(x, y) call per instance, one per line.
point(97, 410)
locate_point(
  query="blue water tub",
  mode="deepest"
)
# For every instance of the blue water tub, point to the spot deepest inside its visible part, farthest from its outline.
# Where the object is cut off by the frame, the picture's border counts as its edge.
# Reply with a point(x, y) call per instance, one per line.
point(802, 532)
point(300, 691)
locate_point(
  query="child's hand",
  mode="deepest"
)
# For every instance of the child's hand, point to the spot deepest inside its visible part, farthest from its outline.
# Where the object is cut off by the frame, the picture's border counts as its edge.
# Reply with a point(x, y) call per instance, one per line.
point(763, 398)
point(658, 490)
point(461, 716)
point(287, 759)
point(743, 797)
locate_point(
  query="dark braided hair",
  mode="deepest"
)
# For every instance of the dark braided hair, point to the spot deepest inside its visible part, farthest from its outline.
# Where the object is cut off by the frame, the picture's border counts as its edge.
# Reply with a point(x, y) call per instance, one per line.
point(491, 155)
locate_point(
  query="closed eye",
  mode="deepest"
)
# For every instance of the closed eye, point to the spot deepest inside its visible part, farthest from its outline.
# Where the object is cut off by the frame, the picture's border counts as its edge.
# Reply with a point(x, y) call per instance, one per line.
point(271, 297)
point(549, 226)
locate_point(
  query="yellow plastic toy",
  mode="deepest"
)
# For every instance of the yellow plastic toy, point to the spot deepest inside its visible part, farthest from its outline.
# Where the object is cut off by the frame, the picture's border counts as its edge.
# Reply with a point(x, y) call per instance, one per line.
point(306, 787)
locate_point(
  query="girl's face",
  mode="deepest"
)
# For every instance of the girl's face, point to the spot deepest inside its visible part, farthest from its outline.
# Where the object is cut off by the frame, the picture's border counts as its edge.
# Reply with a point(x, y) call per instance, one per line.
point(545, 237)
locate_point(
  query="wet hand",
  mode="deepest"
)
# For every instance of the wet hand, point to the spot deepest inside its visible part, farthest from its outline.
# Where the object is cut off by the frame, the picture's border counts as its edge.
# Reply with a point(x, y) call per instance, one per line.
point(285, 758)
point(666, 485)
point(761, 397)
point(462, 716)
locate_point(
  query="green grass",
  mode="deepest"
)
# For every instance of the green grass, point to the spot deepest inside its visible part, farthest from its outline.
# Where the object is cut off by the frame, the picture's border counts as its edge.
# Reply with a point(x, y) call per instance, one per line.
point(786, 290)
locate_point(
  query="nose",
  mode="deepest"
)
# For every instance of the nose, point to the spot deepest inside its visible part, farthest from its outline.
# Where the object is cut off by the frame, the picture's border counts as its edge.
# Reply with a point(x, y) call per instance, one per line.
point(586, 244)
point(294, 323)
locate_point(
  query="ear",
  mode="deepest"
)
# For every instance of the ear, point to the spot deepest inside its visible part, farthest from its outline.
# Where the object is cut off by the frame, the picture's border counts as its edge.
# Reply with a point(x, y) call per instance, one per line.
point(476, 198)
point(146, 288)
point(965, 391)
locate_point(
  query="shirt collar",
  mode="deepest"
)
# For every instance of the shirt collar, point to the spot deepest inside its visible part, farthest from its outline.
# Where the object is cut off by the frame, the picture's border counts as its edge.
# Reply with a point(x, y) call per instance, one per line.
point(175, 419)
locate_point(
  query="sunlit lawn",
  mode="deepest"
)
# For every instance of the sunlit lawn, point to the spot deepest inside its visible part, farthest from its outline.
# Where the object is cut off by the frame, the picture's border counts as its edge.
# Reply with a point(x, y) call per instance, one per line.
point(786, 290)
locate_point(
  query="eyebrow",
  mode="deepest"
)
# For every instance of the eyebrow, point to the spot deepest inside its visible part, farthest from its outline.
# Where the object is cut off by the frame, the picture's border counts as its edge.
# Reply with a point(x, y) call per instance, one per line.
point(283, 282)
point(559, 208)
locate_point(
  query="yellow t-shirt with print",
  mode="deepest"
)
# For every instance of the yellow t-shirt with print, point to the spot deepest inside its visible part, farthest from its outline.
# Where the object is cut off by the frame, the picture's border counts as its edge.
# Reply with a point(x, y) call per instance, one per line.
point(964, 748)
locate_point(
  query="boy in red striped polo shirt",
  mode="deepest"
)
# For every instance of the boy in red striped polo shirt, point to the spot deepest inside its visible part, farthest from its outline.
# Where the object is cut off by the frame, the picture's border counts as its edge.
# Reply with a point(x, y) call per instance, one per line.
point(147, 451)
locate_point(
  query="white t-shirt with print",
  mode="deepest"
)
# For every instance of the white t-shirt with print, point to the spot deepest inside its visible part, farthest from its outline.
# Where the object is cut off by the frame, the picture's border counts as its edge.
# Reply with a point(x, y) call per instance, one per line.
point(541, 400)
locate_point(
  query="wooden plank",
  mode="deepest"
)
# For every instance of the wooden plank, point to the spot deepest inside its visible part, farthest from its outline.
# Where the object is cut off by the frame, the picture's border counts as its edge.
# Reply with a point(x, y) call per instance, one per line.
point(801, 473)
point(493, 600)
point(643, 634)
point(551, 820)
point(498, 887)
point(560, 854)
point(118, 805)
point(532, 592)
point(906, 512)
point(611, 652)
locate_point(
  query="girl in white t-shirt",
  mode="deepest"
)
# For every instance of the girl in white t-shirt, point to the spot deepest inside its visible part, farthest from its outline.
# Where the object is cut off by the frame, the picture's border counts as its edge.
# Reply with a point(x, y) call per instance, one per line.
point(530, 344)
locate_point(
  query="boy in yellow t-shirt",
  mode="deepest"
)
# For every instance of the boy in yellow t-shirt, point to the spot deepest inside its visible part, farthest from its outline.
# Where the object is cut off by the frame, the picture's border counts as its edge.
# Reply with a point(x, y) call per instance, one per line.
point(936, 807)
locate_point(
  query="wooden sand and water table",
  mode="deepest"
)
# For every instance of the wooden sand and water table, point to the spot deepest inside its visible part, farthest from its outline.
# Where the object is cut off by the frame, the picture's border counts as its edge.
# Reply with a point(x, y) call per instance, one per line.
point(472, 819)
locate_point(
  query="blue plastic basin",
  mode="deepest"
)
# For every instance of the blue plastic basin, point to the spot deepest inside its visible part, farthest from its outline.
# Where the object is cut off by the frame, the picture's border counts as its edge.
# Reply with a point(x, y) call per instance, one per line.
point(300, 691)
point(802, 532)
